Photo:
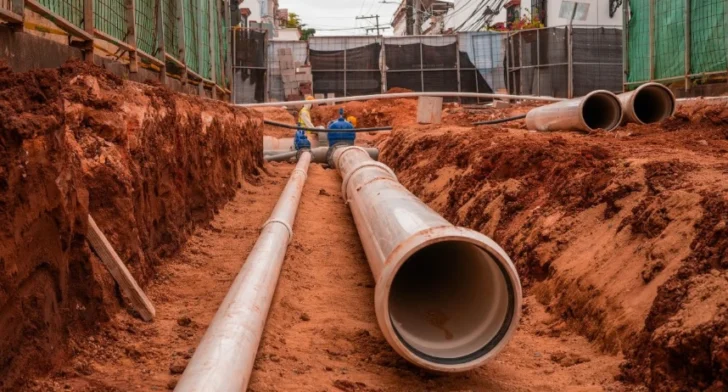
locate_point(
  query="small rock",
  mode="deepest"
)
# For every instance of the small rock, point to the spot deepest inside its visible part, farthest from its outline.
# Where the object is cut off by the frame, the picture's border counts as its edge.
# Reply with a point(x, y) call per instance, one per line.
point(537, 354)
point(274, 358)
point(703, 142)
point(184, 321)
point(715, 272)
point(329, 369)
point(178, 366)
point(305, 317)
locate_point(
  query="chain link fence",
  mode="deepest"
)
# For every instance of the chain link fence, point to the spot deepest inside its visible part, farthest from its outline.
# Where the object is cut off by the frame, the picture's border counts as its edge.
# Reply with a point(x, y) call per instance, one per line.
point(682, 43)
point(559, 62)
point(565, 62)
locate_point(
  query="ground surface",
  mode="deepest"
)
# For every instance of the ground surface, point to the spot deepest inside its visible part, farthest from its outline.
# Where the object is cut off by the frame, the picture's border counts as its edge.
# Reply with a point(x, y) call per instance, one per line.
point(322, 333)
point(620, 239)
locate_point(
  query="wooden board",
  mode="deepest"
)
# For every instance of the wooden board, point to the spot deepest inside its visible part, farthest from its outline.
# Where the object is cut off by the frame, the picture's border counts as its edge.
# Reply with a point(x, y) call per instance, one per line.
point(429, 110)
point(129, 287)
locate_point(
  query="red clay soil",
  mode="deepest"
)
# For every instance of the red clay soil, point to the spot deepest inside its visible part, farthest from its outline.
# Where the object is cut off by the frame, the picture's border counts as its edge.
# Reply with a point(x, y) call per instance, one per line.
point(621, 235)
point(148, 164)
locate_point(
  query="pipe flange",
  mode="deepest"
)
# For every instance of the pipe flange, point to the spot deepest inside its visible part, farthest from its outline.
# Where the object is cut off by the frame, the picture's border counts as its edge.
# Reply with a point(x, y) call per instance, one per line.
point(380, 165)
point(285, 224)
point(303, 173)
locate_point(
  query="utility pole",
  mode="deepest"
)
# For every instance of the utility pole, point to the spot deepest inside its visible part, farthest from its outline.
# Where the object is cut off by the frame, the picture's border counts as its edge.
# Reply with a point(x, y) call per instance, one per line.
point(409, 6)
point(372, 28)
point(418, 17)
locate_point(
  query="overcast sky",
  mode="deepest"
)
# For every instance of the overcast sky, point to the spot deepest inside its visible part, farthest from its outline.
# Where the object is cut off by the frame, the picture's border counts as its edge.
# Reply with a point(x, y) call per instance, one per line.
point(338, 17)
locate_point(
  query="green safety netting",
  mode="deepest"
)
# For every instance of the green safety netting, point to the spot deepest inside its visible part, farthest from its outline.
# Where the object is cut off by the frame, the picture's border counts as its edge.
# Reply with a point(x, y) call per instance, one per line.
point(109, 18)
point(204, 47)
point(191, 24)
point(707, 38)
point(171, 34)
point(146, 26)
point(71, 10)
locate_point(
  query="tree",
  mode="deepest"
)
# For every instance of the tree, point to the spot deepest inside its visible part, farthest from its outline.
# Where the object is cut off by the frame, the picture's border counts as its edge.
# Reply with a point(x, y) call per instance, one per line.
point(294, 21)
point(307, 33)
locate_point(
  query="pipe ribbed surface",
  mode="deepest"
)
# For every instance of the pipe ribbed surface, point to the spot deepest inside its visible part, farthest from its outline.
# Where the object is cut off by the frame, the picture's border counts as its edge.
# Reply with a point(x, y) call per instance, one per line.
point(447, 298)
point(648, 103)
point(599, 109)
point(224, 359)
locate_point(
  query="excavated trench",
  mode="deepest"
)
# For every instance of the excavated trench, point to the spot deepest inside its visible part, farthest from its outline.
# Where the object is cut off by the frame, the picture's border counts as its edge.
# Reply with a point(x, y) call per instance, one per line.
point(620, 239)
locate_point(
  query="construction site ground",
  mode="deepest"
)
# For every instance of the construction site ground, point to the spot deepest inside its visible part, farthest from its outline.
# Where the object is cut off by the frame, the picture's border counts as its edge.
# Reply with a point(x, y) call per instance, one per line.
point(620, 238)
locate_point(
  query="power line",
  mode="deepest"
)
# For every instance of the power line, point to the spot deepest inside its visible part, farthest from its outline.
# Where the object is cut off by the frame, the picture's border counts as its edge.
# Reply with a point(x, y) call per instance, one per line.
point(376, 17)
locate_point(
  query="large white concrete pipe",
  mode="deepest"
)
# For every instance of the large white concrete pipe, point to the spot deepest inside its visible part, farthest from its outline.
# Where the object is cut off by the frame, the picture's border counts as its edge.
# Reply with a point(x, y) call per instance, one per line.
point(648, 103)
point(224, 359)
point(599, 109)
point(447, 298)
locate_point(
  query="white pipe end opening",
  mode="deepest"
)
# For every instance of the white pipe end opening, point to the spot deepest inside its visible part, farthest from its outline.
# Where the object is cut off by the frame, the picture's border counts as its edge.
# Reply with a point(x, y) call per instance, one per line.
point(450, 303)
point(653, 103)
point(601, 110)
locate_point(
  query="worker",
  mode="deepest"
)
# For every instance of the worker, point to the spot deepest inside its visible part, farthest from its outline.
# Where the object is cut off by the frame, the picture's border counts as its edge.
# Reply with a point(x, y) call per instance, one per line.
point(352, 120)
point(304, 116)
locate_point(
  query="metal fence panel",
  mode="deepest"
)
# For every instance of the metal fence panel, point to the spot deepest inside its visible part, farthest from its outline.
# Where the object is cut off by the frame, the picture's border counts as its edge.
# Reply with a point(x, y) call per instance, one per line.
point(171, 33)
point(299, 49)
point(346, 66)
point(249, 65)
point(146, 27)
point(191, 25)
point(109, 18)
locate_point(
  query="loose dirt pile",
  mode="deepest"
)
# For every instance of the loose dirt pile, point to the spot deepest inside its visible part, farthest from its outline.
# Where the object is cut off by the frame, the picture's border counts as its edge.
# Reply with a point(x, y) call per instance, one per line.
point(622, 235)
point(278, 114)
point(149, 165)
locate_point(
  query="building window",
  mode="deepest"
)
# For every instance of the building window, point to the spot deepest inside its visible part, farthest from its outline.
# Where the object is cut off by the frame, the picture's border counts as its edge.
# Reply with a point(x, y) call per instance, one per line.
point(513, 11)
point(538, 10)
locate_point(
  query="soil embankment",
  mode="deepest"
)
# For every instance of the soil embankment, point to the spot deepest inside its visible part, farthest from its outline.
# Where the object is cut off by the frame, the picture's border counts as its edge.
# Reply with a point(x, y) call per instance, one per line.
point(148, 164)
point(622, 235)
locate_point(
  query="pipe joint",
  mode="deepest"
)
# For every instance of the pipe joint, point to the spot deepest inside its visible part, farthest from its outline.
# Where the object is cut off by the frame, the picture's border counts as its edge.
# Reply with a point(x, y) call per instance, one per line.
point(380, 165)
point(282, 222)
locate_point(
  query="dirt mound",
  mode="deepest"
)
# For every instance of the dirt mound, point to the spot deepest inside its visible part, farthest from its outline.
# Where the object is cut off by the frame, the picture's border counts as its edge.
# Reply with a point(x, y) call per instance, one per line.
point(278, 114)
point(374, 113)
point(621, 235)
point(148, 164)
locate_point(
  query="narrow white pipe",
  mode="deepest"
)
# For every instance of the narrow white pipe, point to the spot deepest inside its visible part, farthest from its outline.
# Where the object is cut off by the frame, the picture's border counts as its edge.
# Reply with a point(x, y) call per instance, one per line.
point(224, 359)
point(446, 298)
point(399, 95)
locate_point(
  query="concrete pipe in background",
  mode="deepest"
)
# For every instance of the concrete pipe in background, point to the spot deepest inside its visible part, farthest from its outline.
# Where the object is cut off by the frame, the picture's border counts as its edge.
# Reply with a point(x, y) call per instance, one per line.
point(224, 359)
point(447, 298)
point(597, 110)
point(649, 103)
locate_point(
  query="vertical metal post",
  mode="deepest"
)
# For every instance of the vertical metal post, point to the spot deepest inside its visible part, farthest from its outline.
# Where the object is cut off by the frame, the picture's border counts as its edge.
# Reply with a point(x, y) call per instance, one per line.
point(507, 58)
point(198, 35)
point(383, 65)
point(233, 80)
point(520, 60)
point(625, 43)
point(570, 61)
point(422, 67)
point(88, 26)
point(688, 45)
point(211, 31)
point(457, 64)
point(160, 42)
point(269, 52)
point(652, 40)
point(475, 63)
point(181, 38)
point(130, 17)
point(538, 62)
point(228, 55)
point(345, 66)
point(512, 61)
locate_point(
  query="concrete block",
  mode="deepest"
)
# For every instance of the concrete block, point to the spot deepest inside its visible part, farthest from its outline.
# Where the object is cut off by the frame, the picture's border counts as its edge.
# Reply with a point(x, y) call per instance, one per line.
point(501, 104)
point(429, 110)
point(288, 78)
point(331, 95)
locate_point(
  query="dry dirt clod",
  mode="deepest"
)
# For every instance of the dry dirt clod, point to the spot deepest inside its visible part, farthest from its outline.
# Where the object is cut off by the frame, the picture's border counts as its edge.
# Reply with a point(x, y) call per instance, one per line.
point(184, 321)
point(323, 192)
point(305, 317)
point(178, 366)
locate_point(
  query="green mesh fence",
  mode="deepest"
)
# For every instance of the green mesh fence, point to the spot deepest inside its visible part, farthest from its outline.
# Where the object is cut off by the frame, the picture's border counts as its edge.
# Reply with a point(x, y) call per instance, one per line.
point(204, 25)
point(707, 38)
point(171, 35)
point(216, 42)
point(192, 15)
point(639, 41)
point(146, 30)
point(71, 10)
point(109, 18)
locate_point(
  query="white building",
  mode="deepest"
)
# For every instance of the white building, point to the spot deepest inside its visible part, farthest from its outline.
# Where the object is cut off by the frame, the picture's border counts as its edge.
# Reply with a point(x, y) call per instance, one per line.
point(266, 15)
point(476, 15)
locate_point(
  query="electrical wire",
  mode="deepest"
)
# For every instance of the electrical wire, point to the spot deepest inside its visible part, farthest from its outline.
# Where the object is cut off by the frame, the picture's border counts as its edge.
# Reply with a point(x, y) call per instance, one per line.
point(500, 120)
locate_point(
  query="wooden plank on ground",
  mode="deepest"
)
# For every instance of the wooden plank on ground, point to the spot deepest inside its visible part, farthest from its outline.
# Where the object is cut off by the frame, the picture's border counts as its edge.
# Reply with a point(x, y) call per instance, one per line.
point(118, 270)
